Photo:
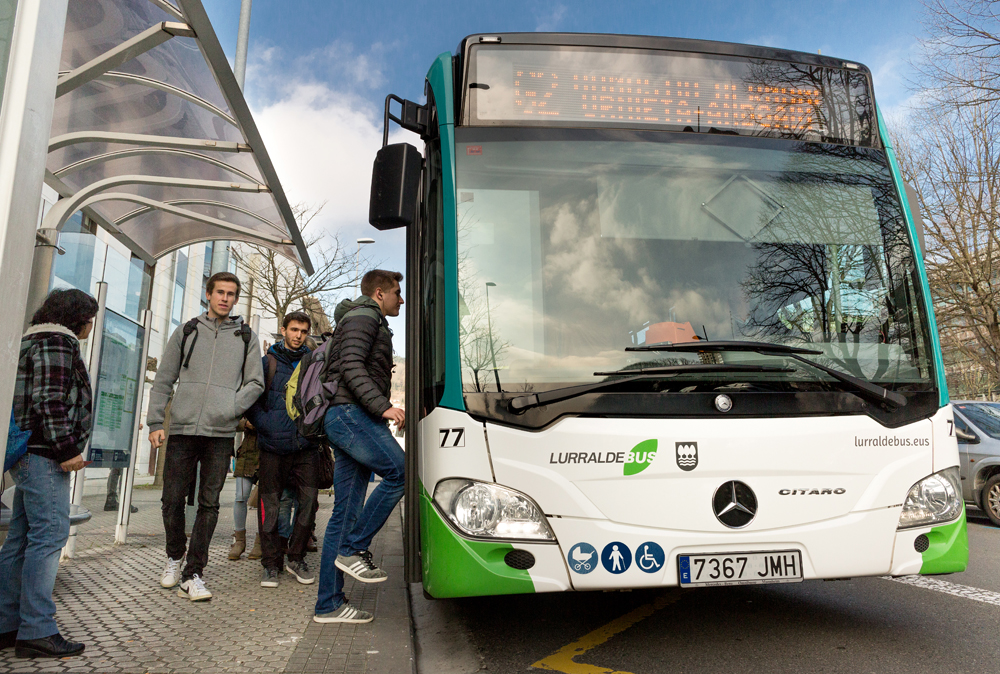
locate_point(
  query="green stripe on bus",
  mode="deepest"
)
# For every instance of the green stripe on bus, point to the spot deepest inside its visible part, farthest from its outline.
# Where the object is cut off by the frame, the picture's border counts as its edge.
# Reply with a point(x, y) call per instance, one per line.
point(440, 77)
point(456, 567)
point(949, 548)
point(918, 259)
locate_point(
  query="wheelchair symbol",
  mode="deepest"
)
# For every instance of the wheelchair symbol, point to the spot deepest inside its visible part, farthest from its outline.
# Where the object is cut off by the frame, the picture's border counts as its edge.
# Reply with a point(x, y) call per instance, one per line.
point(651, 557)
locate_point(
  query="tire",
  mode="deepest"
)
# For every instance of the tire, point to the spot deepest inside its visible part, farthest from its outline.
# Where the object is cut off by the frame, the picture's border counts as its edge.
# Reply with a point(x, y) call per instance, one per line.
point(991, 499)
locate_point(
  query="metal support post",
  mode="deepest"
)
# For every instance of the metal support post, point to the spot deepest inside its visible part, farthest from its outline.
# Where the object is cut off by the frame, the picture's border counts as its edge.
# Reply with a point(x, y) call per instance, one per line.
point(25, 122)
point(94, 370)
point(125, 501)
point(126, 51)
point(41, 270)
point(242, 44)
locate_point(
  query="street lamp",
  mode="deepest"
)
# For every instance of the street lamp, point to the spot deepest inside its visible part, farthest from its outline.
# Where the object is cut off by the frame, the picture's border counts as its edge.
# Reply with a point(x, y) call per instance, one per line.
point(357, 261)
point(489, 325)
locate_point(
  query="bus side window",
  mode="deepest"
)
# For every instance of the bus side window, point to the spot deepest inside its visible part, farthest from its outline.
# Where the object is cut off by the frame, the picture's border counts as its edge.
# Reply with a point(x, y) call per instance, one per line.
point(432, 282)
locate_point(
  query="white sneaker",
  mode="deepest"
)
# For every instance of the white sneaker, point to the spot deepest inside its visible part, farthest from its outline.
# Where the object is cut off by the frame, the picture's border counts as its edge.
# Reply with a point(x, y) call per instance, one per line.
point(194, 589)
point(171, 572)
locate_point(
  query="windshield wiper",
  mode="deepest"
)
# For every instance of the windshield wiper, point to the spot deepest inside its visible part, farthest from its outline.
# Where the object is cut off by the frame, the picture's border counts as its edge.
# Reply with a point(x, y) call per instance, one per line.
point(860, 387)
point(522, 403)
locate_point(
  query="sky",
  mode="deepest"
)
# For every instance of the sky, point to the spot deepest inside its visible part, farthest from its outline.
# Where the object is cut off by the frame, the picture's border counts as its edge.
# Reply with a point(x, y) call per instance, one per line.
point(319, 70)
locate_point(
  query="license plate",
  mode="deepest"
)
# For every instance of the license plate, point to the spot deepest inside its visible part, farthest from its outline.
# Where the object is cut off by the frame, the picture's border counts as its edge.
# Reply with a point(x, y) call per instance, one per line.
point(740, 568)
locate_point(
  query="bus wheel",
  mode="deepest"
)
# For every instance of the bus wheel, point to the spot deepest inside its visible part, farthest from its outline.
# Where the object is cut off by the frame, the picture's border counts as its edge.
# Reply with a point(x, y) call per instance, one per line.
point(991, 499)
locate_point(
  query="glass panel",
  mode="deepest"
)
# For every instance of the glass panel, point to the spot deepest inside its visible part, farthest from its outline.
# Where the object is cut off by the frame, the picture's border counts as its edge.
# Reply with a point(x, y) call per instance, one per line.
point(75, 269)
point(7, 11)
point(547, 85)
point(984, 415)
point(116, 103)
point(117, 387)
point(432, 285)
point(572, 249)
point(116, 275)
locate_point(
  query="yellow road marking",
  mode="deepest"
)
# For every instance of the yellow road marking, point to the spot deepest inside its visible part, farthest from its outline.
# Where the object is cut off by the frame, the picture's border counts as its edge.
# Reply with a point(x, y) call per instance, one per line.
point(562, 660)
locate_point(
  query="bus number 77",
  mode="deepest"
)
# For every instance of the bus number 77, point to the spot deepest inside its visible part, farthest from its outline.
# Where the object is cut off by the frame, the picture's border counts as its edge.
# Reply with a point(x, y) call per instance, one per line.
point(452, 437)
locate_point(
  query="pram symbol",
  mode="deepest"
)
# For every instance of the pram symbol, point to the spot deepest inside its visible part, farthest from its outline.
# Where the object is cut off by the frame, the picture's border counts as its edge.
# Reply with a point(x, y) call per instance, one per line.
point(583, 557)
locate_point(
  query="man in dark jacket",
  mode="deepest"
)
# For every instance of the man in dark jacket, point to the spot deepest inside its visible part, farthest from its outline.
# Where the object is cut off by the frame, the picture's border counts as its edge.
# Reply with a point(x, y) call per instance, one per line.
point(287, 460)
point(355, 424)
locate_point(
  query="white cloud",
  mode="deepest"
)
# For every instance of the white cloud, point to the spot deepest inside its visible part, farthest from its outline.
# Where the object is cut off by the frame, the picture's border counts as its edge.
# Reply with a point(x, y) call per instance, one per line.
point(550, 22)
point(322, 133)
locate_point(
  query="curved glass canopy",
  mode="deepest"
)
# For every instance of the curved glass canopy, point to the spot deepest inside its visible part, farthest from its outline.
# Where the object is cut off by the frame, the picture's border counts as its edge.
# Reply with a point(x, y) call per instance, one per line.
point(152, 138)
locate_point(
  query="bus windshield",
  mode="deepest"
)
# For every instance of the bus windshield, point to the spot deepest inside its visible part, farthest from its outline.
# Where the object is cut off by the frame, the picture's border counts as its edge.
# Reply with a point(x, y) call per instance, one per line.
point(576, 244)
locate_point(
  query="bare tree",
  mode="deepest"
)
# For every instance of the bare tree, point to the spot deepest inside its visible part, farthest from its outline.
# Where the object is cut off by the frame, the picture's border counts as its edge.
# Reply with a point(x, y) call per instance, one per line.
point(480, 344)
point(960, 64)
point(278, 286)
point(952, 154)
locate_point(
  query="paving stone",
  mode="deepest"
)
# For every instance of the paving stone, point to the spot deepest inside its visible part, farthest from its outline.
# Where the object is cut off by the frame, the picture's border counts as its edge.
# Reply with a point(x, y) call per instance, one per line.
point(109, 598)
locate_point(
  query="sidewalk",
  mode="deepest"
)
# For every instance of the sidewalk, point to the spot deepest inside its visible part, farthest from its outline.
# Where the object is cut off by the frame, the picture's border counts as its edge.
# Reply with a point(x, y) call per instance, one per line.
point(109, 598)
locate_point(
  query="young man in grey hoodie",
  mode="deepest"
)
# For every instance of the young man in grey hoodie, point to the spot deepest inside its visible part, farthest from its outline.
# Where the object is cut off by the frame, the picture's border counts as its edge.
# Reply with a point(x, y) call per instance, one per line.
point(215, 362)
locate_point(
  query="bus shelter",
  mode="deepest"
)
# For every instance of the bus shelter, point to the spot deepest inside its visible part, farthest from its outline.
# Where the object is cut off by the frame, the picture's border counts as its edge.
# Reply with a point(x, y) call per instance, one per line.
point(152, 140)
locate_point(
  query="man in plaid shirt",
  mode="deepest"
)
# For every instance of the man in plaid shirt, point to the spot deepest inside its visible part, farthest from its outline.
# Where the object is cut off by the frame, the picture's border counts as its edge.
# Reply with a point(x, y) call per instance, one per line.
point(52, 399)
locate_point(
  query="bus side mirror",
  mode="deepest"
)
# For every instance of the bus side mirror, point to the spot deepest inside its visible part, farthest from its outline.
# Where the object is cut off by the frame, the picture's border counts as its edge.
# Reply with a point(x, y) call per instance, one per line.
point(918, 222)
point(395, 186)
point(966, 437)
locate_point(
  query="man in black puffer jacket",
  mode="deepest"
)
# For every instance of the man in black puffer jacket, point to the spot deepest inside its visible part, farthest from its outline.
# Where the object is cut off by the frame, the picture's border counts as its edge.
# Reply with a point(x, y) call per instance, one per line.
point(287, 460)
point(355, 424)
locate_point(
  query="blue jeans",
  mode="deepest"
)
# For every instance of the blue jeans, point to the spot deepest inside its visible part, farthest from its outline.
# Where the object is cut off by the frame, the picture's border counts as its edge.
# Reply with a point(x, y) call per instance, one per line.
point(361, 446)
point(29, 559)
point(243, 487)
point(287, 507)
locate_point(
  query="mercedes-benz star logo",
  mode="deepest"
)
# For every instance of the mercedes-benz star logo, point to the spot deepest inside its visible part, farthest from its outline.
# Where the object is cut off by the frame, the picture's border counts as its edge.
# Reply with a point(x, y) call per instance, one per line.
point(735, 504)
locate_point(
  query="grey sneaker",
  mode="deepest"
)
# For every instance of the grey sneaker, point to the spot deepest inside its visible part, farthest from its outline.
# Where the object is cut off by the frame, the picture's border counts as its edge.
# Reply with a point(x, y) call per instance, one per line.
point(301, 571)
point(344, 614)
point(269, 578)
point(361, 567)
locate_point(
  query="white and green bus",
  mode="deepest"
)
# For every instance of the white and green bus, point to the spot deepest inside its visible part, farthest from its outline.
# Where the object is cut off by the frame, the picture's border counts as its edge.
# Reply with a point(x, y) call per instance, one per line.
point(667, 323)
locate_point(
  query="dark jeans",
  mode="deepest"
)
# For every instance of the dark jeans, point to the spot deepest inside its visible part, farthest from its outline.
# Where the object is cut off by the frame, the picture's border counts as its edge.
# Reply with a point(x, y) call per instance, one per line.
point(29, 559)
point(277, 472)
point(184, 452)
point(361, 446)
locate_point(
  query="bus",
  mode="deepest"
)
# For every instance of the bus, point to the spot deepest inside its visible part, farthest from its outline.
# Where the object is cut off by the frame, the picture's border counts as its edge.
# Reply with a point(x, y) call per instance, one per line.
point(668, 322)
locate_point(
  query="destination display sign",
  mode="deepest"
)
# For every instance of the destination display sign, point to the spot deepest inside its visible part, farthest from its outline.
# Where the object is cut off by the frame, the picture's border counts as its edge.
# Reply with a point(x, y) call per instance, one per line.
point(573, 86)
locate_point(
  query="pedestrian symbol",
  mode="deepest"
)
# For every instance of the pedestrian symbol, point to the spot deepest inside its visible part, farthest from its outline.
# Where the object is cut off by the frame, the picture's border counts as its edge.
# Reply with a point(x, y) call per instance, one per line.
point(616, 557)
point(582, 558)
point(649, 557)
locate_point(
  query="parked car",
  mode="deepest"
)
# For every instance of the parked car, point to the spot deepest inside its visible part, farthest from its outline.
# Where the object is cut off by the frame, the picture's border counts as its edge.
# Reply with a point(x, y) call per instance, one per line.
point(977, 426)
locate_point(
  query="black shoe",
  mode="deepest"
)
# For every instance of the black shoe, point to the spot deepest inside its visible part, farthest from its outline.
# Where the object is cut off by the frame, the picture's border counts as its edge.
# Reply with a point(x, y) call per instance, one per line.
point(133, 509)
point(7, 639)
point(49, 647)
point(110, 505)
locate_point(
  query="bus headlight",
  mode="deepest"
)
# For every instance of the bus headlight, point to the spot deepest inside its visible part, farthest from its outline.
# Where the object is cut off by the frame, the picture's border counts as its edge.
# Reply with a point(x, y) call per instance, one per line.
point(936, 498)
point(487, 510)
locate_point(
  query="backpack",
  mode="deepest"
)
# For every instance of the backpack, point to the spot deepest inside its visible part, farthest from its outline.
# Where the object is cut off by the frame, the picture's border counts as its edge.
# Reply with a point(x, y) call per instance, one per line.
point(308, 394)
point(310, 390)
point(192, 326)
point(17, 444)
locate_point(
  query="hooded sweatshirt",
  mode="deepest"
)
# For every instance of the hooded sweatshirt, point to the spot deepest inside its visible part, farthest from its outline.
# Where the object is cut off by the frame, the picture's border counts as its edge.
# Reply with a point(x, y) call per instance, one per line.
point(276, 432)
point(362, 355)
point(210, 398)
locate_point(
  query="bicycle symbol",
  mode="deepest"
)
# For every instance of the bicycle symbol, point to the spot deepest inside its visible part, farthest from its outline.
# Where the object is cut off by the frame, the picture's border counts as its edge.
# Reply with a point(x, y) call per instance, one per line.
point(651, 559)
